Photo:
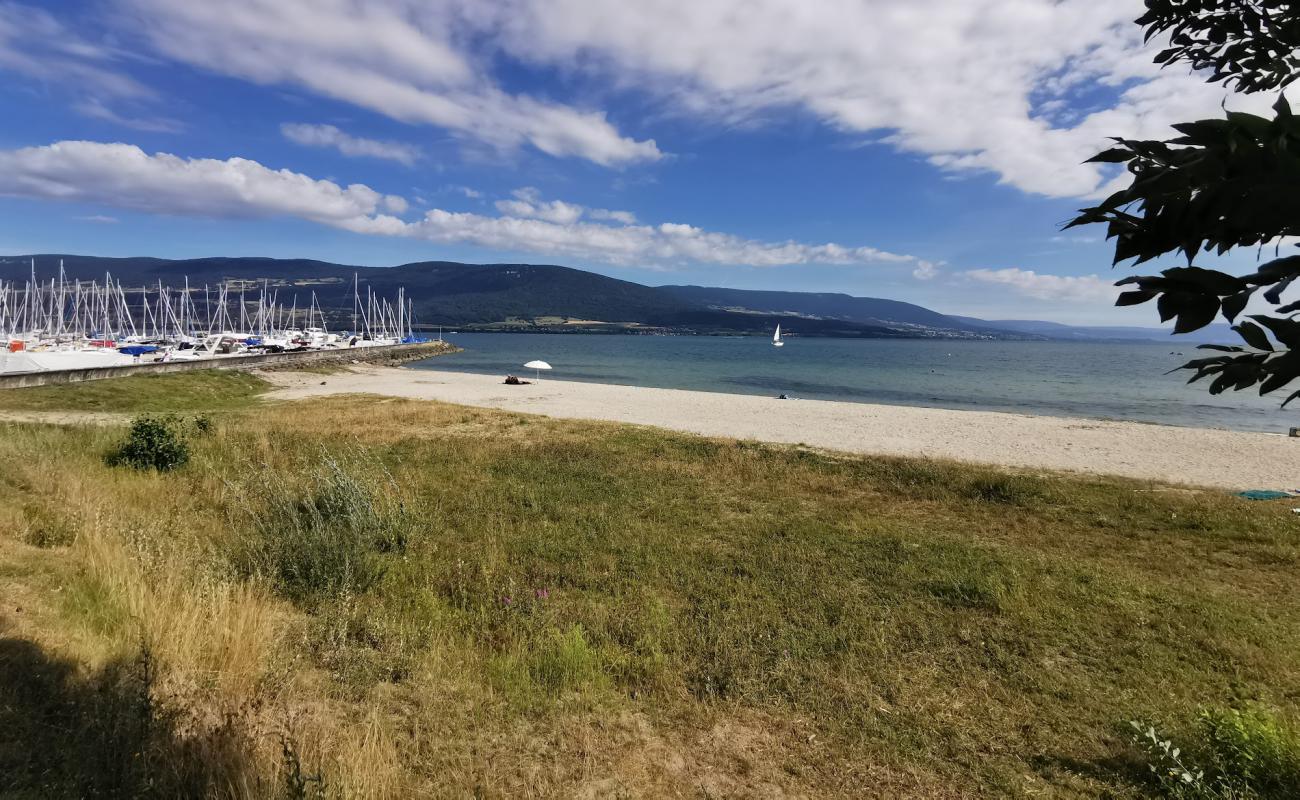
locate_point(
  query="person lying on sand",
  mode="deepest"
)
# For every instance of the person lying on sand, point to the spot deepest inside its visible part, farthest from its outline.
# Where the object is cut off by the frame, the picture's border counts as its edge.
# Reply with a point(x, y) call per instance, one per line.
point(513, 381)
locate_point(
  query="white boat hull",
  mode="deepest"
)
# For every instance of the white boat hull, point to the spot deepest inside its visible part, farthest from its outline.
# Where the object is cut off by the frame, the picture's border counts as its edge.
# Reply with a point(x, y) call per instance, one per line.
point(48, 360)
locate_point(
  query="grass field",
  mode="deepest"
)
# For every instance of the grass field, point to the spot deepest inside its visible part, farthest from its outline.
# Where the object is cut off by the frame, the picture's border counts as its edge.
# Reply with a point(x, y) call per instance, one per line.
point(357, 597)
point(199, 390)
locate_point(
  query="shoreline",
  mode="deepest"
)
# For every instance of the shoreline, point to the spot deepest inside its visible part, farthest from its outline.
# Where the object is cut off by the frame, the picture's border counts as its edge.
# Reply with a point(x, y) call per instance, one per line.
point(1208, 457)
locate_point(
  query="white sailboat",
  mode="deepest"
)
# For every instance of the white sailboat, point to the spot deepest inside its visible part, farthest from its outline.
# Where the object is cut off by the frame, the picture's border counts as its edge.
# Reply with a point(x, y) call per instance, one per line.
point(776, 338)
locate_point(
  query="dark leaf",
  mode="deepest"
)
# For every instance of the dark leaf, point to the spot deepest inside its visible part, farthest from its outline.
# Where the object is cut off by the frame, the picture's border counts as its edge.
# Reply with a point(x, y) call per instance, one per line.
point(1114, 155)
point(1275, 381)
point(1169, 305)
point(1134, 298)
point(1283, 109)
point(1254, 336)
point(1274, 295)
point(1196, 312)
point(1235, 304)
point(1284, 329)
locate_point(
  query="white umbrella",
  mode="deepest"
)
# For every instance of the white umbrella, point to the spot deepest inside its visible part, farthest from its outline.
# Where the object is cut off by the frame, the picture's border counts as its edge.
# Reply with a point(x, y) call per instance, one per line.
point(537, 367)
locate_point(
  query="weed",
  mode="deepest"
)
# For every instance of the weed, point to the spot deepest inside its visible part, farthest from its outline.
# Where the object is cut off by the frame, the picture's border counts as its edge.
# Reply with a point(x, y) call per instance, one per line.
point(203, 424)
point(1237, 754)
point(566, 660)
point(46, 528)
point(361, 642)
point(324, 539)
point(1007, 489)
point(298, 785)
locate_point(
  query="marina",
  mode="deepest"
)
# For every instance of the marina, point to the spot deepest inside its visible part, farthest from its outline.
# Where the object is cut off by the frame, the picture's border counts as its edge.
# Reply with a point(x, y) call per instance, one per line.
point(61, 324)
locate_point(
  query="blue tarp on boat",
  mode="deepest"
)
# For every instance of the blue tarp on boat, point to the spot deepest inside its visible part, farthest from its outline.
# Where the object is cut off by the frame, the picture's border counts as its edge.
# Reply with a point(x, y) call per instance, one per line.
point(137, 349)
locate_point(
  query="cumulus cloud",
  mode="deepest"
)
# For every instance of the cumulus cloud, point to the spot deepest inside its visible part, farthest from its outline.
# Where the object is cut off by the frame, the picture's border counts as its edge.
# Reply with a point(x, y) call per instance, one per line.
point(625, 217)
point(402, 58)
point(1023, 89)
point(124, 176)
point(471, 193)
point(527, 203)
point(973, 85)
point(1043, 286)
point(349, 145)
point(660, 245)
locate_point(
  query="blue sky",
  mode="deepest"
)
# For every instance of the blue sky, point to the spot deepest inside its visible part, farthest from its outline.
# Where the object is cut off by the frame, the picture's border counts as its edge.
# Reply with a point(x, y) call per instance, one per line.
point(853, 145)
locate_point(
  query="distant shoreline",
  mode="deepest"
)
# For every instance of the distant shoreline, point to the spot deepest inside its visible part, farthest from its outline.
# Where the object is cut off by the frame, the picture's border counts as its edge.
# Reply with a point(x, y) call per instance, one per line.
point(1186, 343)
point(1193, 456)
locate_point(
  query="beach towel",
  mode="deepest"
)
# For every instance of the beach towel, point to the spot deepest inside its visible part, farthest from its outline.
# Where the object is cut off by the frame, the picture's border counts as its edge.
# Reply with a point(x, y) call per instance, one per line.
point(1265, 494)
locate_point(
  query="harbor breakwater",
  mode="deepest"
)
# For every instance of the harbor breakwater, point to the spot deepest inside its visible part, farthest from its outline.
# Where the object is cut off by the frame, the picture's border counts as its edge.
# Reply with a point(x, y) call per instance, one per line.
point(386, 355)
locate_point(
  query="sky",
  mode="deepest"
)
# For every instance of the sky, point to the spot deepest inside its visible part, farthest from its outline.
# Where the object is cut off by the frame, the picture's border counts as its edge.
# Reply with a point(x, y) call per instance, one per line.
point(927, 152)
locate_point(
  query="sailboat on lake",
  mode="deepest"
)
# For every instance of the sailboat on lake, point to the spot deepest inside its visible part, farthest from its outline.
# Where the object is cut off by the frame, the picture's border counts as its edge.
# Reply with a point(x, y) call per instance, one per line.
point(776, 338)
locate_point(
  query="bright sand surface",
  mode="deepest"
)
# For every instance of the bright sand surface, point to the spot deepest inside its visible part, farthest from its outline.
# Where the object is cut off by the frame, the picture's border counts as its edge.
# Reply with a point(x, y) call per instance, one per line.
point(1197, 456)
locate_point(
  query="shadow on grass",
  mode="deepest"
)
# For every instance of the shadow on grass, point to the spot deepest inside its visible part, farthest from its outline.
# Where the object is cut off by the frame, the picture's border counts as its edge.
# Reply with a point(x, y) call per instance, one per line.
point(65, 733)
point(1118, 768)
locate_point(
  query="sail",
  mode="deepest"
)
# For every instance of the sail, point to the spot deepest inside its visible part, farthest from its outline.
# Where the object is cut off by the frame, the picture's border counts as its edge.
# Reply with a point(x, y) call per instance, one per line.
point(777, 336)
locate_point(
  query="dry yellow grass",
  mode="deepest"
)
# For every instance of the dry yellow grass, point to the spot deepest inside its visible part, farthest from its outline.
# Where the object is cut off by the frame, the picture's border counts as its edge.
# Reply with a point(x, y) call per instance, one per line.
point(591, 610)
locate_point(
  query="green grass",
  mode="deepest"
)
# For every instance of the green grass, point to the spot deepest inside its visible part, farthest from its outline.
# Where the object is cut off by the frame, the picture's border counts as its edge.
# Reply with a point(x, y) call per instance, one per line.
point(558, 607)
point(196, 390)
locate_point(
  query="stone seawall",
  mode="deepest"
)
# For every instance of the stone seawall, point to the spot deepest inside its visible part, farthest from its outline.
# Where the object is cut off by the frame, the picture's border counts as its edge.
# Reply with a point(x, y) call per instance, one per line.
point(389, 355)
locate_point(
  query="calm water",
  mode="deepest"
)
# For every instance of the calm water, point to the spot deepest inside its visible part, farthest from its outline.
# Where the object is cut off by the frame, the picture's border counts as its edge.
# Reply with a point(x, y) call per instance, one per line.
point(1104, 381)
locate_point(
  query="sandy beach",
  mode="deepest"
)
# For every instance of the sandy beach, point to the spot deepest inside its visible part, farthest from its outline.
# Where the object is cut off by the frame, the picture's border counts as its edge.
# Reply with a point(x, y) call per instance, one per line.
point(1194, 456)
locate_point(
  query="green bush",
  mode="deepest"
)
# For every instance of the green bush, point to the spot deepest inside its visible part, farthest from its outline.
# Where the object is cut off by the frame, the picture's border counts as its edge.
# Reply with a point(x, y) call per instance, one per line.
point(152, 443)
point(1246, 754)
point(1252, 751)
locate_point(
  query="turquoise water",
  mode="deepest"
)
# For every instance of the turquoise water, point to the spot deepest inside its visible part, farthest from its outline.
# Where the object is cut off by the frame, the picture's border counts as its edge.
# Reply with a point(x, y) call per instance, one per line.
point(1103, 381)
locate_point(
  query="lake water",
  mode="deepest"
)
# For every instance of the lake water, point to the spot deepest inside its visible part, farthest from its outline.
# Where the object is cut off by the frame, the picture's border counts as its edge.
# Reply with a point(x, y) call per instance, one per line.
point(1102, 381)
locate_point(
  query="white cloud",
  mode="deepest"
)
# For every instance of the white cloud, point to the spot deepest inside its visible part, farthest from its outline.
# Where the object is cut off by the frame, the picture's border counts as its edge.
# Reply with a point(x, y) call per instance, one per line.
point(630, 245)
point(35, 44)
point(1008, 87)
point(925, 271)
point(528, 204)
point(41, 49)
point(1075, 239)
point(1043, 286)
point(625, 217)
point(95, 108)
point(349, 145)
point(103, 219)
point(124, 176)
point(402, 58)
point(972, 85)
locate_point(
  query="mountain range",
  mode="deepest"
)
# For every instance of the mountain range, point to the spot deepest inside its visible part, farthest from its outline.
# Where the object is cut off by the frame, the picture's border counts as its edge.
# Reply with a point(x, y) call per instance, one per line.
point(549, 298)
